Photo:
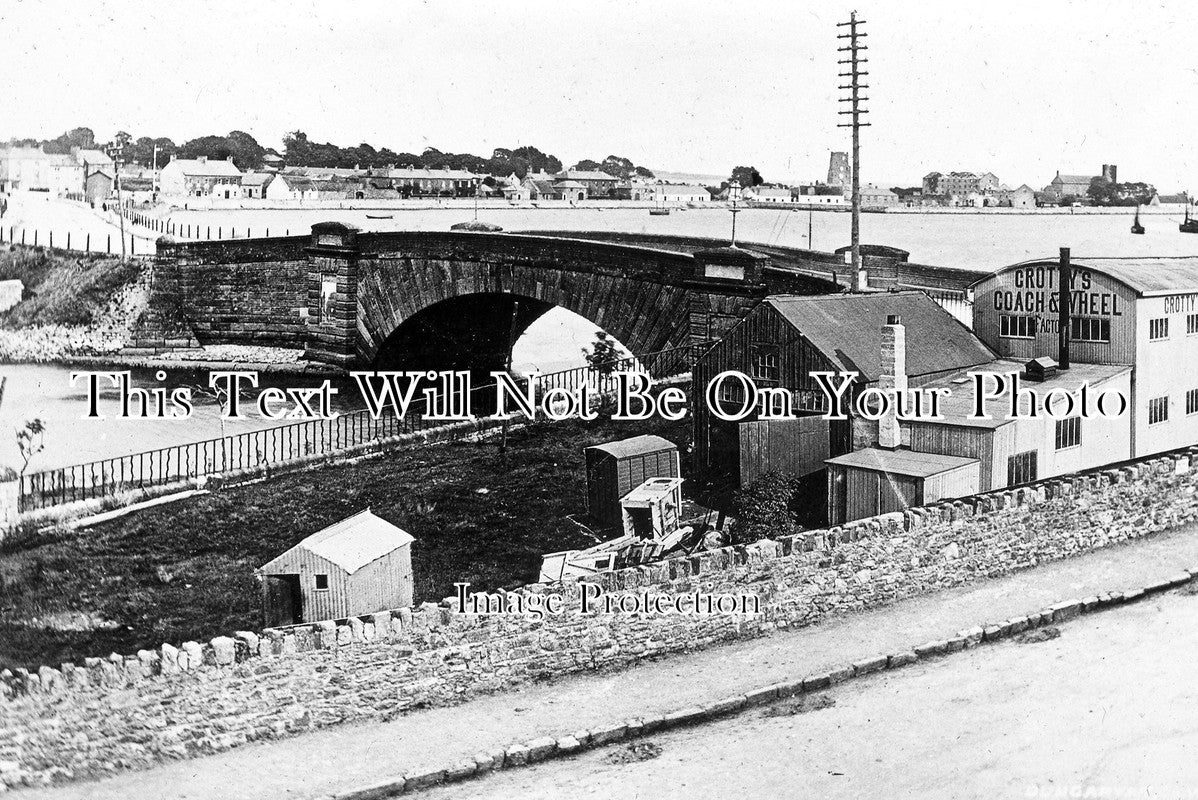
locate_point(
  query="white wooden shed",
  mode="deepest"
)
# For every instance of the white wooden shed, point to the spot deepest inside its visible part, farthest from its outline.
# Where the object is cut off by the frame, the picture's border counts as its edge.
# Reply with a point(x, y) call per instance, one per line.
point(359, 565)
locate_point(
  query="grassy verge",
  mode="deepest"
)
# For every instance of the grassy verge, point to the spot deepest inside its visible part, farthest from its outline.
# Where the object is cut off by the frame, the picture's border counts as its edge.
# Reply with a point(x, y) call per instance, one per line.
point(185, 571)
point(61, 288)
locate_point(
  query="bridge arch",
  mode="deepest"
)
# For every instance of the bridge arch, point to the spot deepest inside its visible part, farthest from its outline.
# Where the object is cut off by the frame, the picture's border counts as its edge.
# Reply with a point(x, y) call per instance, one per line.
point(463, 310)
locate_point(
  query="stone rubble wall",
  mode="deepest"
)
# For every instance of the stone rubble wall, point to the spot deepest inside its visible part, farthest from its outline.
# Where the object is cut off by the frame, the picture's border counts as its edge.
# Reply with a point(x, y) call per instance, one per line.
point(130, 711)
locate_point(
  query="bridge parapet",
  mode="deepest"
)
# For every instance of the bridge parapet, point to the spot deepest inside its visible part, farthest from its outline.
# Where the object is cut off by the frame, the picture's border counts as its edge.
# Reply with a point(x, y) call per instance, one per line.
point(340, 293)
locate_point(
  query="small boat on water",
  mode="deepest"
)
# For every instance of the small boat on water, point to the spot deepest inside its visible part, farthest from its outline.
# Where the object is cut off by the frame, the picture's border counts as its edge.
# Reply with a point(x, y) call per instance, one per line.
point(379, 216)
point(659, 212)
point(1136, 227)
point(1190, 225)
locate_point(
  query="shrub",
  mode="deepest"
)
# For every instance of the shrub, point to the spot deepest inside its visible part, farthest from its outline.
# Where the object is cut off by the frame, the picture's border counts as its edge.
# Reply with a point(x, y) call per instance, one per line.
point(765, 508)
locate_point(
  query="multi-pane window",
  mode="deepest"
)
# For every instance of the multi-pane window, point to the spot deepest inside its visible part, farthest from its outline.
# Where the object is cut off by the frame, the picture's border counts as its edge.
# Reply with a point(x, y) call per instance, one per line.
point(1158, 329)
point(1158, 410)
point(1021, 468)
point(1192, 401)
point(1090, 329)
point(1069, 432)
point(1191, 324)
point(1016, 327)
point(764, 365)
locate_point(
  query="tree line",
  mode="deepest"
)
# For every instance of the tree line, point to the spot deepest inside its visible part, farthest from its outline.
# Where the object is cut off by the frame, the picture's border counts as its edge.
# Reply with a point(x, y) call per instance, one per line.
point(300, 151)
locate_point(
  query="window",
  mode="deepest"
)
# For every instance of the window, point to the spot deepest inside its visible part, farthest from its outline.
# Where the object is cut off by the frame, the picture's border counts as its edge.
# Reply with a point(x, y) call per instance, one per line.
point(322, 582)
point(1158, 329)
point(765, 362)
point(1069, 432)
point(1090, 329)
point(1021, 468)
point(1191, 324)
point(328, 288)
point(1192, 401)
point(1013, 327)
point(1158, 410)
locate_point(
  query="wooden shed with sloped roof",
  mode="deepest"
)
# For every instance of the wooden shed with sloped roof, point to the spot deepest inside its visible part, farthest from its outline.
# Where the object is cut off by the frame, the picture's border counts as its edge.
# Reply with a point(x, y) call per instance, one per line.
point(359, 565)
point(616, 468)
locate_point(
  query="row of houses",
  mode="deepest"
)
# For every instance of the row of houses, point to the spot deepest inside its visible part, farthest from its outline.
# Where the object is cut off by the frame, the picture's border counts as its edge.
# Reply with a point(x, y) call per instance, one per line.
point(221, 179)
point(83, 172)
point(1132, 328)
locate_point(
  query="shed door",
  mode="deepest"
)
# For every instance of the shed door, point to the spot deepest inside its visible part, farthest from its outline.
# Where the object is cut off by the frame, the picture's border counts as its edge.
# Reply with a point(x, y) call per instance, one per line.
point(792, 446)
point(284, 604)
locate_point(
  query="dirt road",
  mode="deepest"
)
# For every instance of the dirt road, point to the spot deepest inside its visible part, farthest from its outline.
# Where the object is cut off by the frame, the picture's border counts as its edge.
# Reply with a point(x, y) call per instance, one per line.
point(1109, 709)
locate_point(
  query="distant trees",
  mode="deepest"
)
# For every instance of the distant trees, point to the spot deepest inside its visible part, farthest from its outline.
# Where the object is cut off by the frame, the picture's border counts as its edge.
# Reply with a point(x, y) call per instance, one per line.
point(75, 137)
point(142, 150)
point(746, 176)
point(1109, 193)
point(616, 166)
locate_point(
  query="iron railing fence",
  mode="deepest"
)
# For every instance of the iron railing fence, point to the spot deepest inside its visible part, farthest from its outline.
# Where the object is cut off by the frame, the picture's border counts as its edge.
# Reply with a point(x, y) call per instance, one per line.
point(285, 443)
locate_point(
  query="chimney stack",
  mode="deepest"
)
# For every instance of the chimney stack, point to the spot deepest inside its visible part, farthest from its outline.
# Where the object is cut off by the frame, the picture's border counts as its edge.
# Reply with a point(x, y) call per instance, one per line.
point(1065, 280)
point(892, 376)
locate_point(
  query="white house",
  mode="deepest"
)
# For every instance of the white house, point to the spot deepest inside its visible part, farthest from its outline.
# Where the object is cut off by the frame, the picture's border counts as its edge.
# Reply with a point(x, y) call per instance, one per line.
point(289, 186)
point(200, 177)
point(770, 194)
point(681, 193)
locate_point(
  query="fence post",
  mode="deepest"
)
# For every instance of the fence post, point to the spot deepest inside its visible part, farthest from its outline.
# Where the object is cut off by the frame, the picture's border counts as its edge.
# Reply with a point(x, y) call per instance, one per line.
point(68, 240)
point(87, 245)
point(10, 500)
point(110, 244)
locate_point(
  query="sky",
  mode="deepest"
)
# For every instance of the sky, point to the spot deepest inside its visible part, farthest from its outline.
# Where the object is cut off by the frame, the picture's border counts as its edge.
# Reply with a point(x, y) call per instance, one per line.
point(1021, 89)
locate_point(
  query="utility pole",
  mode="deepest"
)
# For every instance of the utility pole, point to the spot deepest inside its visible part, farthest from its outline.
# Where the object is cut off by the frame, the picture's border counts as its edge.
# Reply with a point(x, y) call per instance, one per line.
point(116, 151)
point(854, 101)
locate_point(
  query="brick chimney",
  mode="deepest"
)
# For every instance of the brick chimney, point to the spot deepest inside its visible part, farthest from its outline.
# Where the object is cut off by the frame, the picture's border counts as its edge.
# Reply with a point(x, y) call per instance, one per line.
point(892, 375)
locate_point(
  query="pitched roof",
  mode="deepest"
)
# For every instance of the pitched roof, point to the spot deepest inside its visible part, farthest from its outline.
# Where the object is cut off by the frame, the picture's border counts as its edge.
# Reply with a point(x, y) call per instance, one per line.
point(92, 157)
point(847, 329)
point(420, 172)
point(207, 168)
point(569, 185)
point(1148, 276)
point(1083, 180)
point(257, 178)
point(355, 541)
point(901, 462)
point(585, 175)
point(637, 445)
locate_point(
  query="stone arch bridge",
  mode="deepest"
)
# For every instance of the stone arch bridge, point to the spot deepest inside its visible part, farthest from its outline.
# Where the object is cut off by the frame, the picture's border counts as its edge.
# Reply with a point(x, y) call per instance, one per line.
point(457, 300)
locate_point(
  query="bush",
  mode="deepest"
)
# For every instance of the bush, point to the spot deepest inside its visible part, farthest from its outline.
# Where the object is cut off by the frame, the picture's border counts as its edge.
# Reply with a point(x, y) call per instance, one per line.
point(765, 508)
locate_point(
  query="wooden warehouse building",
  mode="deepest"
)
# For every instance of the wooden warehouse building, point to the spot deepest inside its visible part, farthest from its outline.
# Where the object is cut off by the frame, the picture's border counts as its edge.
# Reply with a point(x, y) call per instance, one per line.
point(786, 338)
point(359, 565)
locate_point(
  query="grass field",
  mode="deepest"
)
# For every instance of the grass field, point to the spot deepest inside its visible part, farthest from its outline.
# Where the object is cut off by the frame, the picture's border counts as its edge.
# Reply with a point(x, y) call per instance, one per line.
point(185, 570)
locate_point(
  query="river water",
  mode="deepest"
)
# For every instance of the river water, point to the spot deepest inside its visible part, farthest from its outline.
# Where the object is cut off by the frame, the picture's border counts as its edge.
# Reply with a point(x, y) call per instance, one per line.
point(982, 242)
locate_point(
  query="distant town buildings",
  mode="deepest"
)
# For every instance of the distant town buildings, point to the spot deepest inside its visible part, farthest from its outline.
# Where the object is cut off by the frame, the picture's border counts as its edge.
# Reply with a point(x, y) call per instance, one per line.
point(596, 183)
point(32, 169)
point(1068, 186)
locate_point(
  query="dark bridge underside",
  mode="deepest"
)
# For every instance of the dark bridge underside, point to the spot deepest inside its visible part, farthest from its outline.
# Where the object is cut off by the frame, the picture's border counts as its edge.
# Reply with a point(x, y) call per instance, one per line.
point(473, 332)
